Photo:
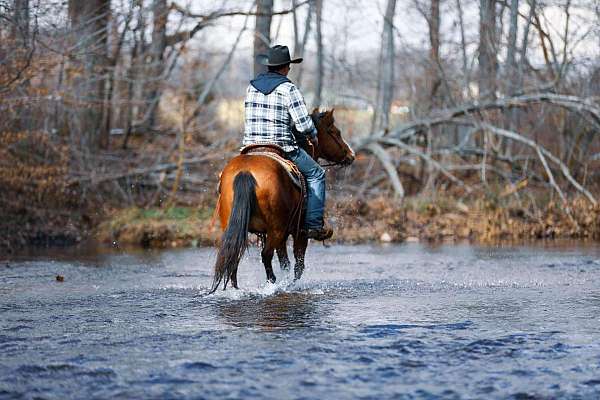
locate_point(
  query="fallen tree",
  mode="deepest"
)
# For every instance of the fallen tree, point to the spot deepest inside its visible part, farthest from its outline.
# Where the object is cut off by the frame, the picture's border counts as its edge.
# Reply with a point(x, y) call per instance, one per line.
point(402, 140)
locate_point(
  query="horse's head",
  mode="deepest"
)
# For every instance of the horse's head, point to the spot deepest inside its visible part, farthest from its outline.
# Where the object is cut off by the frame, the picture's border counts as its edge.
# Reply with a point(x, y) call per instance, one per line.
point(332, 147)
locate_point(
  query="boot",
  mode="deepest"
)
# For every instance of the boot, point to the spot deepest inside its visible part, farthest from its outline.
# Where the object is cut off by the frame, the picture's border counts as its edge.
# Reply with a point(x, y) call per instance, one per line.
point(320, 234)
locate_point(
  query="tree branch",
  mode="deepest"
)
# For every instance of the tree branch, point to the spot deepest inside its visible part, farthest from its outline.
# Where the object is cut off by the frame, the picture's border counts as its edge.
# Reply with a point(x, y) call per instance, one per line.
point(386, 161)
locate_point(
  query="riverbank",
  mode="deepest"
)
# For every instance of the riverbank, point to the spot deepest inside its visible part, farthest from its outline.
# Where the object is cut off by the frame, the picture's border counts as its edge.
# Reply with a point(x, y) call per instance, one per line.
point(42, 205)
point(375, 220)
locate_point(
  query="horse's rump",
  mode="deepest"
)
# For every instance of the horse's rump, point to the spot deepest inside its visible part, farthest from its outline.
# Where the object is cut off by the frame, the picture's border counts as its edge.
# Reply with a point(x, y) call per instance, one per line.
point(279, 200)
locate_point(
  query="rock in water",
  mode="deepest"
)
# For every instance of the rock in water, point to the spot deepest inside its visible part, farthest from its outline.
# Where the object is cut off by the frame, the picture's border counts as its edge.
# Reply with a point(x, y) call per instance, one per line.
point(385, 237)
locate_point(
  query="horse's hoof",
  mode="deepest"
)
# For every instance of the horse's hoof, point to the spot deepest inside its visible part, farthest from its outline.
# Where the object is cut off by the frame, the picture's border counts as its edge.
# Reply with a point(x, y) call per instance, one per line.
point(272, 280)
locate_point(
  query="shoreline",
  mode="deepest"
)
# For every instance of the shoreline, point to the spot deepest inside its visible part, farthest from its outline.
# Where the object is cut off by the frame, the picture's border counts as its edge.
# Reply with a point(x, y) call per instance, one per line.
point(90, 249)
point(377, 220)
point(374, 221)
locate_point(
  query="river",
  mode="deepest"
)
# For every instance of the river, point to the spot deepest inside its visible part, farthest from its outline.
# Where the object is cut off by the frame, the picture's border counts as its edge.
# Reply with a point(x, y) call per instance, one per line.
point(365, 322)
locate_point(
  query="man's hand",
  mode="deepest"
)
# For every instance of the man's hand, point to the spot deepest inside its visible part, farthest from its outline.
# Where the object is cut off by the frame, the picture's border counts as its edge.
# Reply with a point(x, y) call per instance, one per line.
point(314, 141)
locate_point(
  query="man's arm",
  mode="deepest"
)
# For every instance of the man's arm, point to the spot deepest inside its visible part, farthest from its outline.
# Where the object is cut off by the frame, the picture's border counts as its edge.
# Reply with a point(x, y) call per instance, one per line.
point(299, 113)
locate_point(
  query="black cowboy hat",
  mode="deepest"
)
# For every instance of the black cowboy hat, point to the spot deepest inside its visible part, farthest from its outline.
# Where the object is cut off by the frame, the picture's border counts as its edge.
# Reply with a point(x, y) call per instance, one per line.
point(276, 56)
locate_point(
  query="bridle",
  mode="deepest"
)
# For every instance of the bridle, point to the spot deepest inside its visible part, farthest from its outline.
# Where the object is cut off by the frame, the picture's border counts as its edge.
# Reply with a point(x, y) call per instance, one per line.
point(338, 141)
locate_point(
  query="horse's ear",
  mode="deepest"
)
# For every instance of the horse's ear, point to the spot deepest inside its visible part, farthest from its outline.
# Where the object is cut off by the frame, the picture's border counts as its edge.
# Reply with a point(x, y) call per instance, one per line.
point(315, 110)
point(328, 116)
point(331, 112)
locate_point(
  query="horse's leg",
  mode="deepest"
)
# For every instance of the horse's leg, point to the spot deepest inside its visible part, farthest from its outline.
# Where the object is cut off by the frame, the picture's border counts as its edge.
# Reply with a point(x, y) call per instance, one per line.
point(267, 256)
point(300, 244)
point(282, 254)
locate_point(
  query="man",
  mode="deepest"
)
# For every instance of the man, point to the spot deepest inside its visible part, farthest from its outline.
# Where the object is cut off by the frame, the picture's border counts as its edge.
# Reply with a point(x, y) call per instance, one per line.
point(273, 106)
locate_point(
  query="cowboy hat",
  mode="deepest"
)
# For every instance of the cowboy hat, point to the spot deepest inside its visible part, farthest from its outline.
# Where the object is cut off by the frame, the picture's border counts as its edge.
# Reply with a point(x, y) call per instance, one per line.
point(276, 56)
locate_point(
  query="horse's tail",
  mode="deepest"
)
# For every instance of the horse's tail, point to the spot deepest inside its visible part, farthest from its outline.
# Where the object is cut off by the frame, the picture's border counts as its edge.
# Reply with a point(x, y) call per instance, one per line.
point(234, 239)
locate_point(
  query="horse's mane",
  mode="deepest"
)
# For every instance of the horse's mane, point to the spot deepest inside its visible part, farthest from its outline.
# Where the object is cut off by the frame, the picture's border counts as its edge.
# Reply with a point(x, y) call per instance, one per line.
point(316, 116)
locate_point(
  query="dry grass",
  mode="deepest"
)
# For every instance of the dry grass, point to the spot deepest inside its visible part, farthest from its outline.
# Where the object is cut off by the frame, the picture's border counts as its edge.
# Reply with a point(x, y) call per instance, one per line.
point(159, 228)
point(358, 221)
point(446, 219)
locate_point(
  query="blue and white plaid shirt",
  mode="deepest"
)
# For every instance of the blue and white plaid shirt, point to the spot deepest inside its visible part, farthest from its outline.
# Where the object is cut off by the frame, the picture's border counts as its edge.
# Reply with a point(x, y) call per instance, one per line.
point(269, 118)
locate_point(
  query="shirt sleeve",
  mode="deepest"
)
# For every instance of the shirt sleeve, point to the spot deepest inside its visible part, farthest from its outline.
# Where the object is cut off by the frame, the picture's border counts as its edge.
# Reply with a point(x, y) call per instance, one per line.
point(299, 113)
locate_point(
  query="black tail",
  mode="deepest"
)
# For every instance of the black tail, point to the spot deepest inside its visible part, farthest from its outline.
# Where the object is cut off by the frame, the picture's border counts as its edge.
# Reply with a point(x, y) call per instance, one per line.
point(234, 239)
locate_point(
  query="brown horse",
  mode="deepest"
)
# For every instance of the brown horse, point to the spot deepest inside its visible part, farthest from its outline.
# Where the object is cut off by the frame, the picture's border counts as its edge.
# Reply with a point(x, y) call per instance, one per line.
point(257, 195)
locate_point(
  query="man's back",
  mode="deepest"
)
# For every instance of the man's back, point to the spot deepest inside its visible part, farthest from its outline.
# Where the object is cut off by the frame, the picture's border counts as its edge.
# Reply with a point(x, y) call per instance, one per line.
point(273, 105)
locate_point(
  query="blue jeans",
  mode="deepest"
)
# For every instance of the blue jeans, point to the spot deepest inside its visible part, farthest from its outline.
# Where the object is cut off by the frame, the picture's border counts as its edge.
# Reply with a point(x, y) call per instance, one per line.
point(315, 182)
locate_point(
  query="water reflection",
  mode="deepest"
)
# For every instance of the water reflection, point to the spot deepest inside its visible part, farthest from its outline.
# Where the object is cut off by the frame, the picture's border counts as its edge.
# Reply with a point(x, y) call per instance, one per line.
point(282, 311)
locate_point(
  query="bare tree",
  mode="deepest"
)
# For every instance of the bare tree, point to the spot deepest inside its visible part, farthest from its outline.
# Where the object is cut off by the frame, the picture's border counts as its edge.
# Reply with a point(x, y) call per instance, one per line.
point(385, 84)
point(20, 27)
point(511, 63)
point(463, 47)
point(488, 64)
point(89, 23)
point(16, 45)
point(320, 66)
point(262, 31)
point(296, 28)
point(524, 44)
point(434, 78)
point(510, 69)
point(160, 15)
point(298, 70)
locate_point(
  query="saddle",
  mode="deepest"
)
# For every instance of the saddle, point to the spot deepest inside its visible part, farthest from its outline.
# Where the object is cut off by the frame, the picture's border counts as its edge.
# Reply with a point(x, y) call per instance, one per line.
point(276, 153)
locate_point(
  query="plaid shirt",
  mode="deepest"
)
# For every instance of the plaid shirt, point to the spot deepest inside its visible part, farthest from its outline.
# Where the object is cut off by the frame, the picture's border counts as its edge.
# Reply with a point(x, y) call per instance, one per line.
point(269, 118)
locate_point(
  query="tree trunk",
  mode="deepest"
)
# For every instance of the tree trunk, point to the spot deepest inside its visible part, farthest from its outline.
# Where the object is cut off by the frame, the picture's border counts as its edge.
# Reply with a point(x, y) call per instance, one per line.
point(525, 44)
point(511, 70)
point(320, 70)
point(137, 65)
point(296, 31)
point(488, 64)
point(262, 32)
point(299, 68)
point(463, 49)
point(511, 64)
point(386, 69)
point(160, 15)
point(435, 80)
point(21, 47)
point(20, 27)
point(89, 23)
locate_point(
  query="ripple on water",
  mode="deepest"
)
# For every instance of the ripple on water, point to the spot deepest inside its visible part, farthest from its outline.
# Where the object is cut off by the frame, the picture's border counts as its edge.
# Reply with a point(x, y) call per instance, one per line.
point(16, 328)
point(199, 366)
point(383, 330)
point(364, 322)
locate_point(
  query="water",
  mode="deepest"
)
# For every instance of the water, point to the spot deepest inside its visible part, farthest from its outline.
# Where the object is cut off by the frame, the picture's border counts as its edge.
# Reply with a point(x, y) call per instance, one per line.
point(366, 322)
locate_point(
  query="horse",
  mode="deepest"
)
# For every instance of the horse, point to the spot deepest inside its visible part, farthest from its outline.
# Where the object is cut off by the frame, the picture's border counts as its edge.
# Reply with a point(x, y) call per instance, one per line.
point(257, 195)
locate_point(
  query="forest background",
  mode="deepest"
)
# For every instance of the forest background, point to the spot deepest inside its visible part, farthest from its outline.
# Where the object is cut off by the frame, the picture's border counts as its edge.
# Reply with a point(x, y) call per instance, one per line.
point(471, 119)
